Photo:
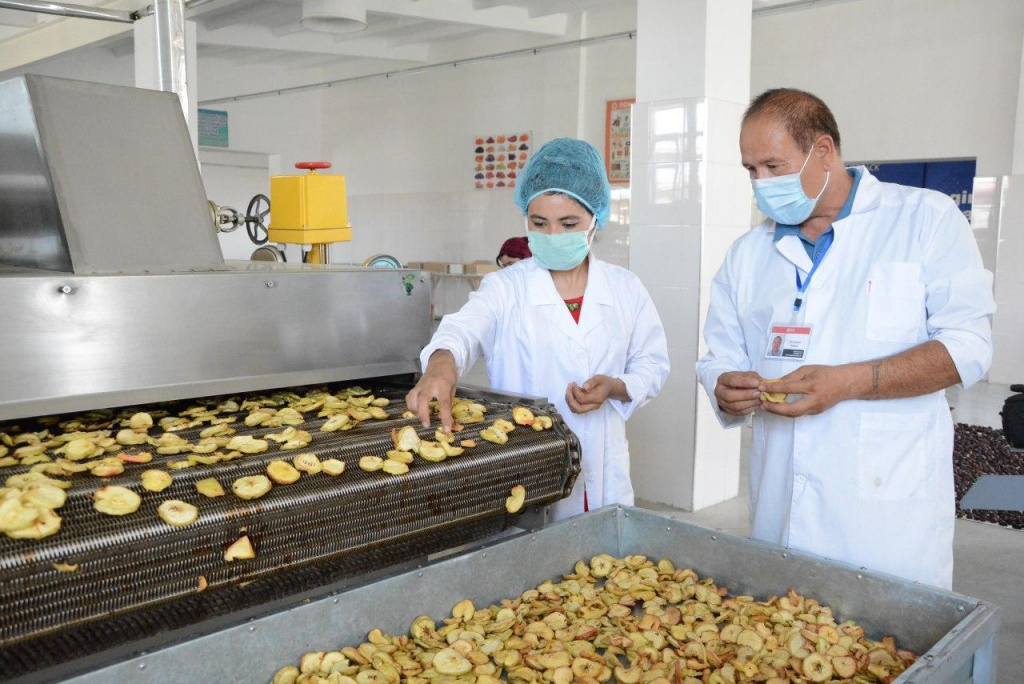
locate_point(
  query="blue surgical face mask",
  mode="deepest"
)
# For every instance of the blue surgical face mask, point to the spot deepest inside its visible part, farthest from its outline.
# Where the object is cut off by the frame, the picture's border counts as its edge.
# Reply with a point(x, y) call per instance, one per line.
point(783, 199)
point(561, 251)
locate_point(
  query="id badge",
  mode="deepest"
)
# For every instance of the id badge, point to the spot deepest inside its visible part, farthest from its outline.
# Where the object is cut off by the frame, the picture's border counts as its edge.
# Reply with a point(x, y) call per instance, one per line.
point(788, 342)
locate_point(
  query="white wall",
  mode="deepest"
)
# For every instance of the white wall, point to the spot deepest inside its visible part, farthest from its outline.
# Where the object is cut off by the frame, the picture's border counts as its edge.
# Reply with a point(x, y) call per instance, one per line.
point(906, 79)
point(405, 146)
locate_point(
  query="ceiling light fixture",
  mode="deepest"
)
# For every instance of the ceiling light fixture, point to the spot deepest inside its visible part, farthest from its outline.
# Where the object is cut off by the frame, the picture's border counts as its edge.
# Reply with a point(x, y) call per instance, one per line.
point(334, 16)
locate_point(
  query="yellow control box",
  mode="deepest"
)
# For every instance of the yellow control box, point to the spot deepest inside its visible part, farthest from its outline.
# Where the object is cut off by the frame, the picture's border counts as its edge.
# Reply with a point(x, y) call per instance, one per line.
point(309, 209)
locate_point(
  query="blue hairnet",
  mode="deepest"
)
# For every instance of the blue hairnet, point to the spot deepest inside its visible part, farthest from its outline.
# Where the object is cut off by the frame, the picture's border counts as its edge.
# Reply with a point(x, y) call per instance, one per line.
point(571, 167)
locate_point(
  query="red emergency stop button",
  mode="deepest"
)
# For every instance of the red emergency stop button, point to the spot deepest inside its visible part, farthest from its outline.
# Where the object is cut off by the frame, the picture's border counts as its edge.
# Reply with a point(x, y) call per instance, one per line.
point(313, 165)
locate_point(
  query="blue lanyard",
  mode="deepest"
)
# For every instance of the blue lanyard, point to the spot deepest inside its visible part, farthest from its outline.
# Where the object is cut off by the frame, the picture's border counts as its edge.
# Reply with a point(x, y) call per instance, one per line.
point(801, 287)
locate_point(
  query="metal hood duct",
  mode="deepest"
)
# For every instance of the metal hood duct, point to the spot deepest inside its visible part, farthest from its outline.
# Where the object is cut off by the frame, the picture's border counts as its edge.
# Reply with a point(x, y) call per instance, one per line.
point(97, 179)
point(334, 16)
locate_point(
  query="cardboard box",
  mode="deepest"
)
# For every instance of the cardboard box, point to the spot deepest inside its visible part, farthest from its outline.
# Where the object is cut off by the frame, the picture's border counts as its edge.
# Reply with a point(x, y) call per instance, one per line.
point(432, 266)
point(481, 267)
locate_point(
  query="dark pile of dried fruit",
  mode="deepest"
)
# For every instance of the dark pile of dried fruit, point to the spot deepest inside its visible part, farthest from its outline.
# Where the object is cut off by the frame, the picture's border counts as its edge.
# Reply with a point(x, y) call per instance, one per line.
point(981, 451)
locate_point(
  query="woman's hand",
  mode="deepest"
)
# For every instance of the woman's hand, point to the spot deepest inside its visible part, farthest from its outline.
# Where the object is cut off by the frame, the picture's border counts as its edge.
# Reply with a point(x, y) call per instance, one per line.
point(438, 382)
point(594, 392)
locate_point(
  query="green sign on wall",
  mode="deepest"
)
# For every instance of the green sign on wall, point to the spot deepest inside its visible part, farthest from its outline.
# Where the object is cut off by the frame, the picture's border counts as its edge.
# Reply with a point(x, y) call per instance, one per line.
point(213, 128)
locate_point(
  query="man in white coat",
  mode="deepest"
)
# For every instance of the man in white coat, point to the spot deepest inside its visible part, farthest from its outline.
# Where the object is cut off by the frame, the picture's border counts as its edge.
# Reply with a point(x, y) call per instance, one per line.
point(562, 325)
point(879, 295)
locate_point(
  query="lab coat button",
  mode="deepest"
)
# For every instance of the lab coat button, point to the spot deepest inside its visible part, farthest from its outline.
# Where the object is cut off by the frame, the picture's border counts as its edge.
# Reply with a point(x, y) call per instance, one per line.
point(800, 479)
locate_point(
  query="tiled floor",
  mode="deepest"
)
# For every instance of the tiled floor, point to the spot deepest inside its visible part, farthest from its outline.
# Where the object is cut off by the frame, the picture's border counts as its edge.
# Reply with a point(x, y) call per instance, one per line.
point(989, 560)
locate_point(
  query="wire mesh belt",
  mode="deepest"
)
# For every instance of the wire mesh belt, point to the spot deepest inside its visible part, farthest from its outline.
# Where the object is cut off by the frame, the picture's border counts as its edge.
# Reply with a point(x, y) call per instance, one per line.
point(138, 577)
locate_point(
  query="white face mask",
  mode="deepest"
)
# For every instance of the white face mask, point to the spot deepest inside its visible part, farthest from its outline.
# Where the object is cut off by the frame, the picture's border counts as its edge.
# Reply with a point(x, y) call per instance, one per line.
point(783, 199)
point(563, 251)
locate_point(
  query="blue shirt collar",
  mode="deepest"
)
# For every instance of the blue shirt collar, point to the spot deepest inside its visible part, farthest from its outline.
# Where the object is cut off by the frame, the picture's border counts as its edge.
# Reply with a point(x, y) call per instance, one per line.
point(784, 229)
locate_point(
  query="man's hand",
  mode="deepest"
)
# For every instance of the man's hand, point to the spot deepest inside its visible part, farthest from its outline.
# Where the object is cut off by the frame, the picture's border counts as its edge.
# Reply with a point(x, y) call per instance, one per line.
point(438, 382)
point(594, 392)
point(737, 392)
point(822, 388)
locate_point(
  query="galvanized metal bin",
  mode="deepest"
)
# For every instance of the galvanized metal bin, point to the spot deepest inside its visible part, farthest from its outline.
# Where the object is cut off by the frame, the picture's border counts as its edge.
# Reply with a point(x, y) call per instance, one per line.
point(955, 634)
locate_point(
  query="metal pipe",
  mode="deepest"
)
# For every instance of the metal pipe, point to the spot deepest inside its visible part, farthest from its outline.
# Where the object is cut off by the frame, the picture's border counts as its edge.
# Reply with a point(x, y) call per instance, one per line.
point(148, 9)
point(172, 75)
point(62, 9)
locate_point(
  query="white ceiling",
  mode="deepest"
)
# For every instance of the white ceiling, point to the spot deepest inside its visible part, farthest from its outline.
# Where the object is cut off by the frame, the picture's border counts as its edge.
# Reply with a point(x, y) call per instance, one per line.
point(404, 31)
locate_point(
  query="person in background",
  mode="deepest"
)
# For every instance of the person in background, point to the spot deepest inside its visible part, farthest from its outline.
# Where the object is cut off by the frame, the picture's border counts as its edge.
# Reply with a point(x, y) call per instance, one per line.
point(513, 250)
point(884, 301)
point(562, 325)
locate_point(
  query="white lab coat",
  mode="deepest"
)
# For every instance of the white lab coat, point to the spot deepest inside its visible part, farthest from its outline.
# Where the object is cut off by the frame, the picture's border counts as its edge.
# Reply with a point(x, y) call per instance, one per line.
point(866, 482)
point(532, 346)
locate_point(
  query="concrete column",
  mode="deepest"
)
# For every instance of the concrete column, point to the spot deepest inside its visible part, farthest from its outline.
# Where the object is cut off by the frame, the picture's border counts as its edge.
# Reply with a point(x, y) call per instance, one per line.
point(1018, 129)
point(158, 63)
point(690, 198)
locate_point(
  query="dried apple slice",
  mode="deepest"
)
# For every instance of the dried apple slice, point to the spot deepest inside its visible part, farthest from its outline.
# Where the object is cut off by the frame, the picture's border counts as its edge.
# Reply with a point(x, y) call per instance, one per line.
point(46, 523)
point(140, 421)
point(282, 472)
point(406, 439)
point(251, 487)
point(451, 449)
point(156, 480)
point(400, 456)
point(394, 467)
point(522, 416)
point(131, 437)
point(432, 451)
point(493, 434)
point(333, 467)
point(135, 458)
point(210, 488)
point(240, 550)
point(14, 515)
point(514, 503)
point(114, 500)
point(817, 668)
point(335, 423)
point(448, 661)
point(773, 397)
point(504, 425)
point(287, 675)
point(844, 666)
point(177, 513)
point(307, 463)
point(79, 449)
point(107, 467)
point(42, 495)
point(371, 463)
point(247, 444)
point(467, 443)
point(30, 478)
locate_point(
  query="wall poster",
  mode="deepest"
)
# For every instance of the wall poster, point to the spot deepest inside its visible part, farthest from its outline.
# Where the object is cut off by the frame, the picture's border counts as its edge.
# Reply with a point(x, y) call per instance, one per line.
point(950, 177)
point(498, 159)
point(617, 132)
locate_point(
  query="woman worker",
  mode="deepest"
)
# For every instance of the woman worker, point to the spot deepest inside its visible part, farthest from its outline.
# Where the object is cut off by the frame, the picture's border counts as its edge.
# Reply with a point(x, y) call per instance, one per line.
point(562, 325)
point(512, 250)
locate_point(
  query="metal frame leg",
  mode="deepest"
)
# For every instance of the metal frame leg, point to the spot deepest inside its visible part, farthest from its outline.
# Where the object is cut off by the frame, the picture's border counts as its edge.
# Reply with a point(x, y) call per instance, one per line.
point(985, 663)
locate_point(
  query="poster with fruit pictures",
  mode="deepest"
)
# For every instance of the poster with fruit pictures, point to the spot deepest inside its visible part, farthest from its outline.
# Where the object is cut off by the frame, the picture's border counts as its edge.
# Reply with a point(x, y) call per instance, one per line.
point(499, 159)
point(617, 132)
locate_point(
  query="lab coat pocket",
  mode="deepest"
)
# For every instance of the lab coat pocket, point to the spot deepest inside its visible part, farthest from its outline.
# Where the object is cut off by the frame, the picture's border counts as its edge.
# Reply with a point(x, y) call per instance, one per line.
point(896, 303)
point(893, 456)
